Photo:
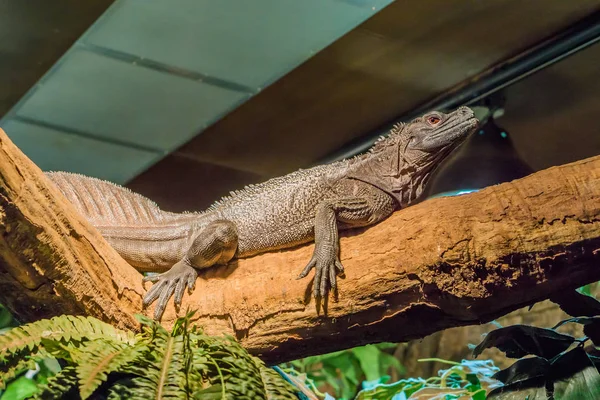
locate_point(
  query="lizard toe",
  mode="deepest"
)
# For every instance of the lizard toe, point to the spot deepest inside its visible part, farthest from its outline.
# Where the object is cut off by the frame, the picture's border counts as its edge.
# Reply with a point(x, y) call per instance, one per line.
point(332, 278)
point(317, 282)
point(339, 267)
point(162, 301)
point(153, 293)
point(191, 281)
point(324, 283)
point(311, 264)
point(179, 290)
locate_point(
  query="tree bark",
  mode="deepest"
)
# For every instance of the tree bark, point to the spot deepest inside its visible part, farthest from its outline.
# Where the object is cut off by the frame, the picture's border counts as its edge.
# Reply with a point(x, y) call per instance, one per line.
point(443, 263)
point(52, 261)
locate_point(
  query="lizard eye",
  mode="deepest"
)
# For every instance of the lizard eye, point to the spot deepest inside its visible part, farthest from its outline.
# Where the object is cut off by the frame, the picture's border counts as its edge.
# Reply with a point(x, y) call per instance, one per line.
point(433, 120)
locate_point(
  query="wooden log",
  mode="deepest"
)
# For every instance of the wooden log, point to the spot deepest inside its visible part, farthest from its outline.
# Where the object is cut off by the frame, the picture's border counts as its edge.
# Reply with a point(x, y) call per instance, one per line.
point(52, 261)
point(442, 263)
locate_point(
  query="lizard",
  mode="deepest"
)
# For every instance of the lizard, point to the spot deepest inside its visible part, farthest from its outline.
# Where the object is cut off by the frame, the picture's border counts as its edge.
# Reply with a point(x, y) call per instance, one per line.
point(283, 212)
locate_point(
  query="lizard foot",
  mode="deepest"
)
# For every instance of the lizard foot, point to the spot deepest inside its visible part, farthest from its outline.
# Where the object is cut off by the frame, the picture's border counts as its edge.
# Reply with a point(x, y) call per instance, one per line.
point(174, 281)
point(327, 267)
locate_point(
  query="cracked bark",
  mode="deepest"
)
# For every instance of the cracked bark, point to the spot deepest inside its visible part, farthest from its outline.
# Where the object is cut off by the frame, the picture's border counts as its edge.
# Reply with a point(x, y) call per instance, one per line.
point(442, 263)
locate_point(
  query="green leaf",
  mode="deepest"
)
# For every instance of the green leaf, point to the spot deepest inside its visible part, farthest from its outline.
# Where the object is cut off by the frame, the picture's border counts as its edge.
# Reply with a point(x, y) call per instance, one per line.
point(389, 361)
point(6, 318)
point(591, 327)
point(48, 367)
point(521, 391)
point(571, 375)
point(65, 327)
point(523, 370)
point(578, 320)
point(577, 304)
point(61, 385)
point(369, 358)
point(98, 359)
point(16, 366)
point(433, 393)
point(212, 393)
point(587, 289)
point(520, 340)
point(19, 389)
point(154, 364)
point(584, 385)
point(387, 391)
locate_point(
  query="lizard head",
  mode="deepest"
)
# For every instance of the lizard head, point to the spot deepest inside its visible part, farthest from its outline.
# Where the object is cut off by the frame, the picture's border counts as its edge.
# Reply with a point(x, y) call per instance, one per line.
point(436, 132)
point(402, 163)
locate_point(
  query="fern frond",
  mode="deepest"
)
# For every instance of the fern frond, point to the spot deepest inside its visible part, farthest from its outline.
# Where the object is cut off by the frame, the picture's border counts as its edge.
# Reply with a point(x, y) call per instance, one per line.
point(155, 364)
point(150, 327)
point(97, 359)
point(123, 389)
point(275, 387)
point(161, 372)
point(224, 360)
point(63, 385)
point(10, 371)
point(64, 327)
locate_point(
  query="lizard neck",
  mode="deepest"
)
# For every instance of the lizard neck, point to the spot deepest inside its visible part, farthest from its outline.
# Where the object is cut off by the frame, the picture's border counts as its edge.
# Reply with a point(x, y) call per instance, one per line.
point(393, 172)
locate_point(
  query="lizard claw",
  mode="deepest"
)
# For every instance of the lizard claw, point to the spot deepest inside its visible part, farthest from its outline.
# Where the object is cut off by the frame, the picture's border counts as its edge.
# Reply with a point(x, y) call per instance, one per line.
point(172, 282)
point(311, 264)
point(327, 267)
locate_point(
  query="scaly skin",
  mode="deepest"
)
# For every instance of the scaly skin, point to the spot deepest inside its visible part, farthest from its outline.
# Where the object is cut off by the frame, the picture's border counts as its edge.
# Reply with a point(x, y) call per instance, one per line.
point(312, 204)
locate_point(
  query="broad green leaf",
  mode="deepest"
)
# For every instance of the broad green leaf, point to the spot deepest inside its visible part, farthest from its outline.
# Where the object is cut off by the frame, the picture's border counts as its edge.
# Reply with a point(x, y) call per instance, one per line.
point(97, 360)
point(6, 318)
point(587, 289)
point(519, 392)
point(16, 367)
point(369, 358)
point(19, 389)
point(523, 370)
point(517, 341)
point(387, 391)
point(584, 385)
point(576, 304)
point(430, 393)
point(58, 386)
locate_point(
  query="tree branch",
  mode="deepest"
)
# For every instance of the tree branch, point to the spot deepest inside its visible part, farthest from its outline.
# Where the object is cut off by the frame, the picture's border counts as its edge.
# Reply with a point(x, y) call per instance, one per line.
point(442, 263)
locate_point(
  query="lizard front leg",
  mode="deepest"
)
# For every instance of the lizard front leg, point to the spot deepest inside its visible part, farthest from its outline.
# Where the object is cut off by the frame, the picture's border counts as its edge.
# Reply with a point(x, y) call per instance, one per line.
point(368, 206)
point(216, 244)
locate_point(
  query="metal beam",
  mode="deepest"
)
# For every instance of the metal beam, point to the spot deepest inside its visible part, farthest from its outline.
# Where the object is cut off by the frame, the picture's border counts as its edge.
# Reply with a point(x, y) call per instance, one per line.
point(577, 37)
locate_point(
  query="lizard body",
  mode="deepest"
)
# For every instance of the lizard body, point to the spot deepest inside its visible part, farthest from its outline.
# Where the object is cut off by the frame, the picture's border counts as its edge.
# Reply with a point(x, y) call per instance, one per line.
point(306, 205)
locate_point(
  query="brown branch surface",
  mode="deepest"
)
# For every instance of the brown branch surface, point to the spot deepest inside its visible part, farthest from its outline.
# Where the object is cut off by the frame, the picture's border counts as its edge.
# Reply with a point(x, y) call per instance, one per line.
point(52, 261)
point(442, 263)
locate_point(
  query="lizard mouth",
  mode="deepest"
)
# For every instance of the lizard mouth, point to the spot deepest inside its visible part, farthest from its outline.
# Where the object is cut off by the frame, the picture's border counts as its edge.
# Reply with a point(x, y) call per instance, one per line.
point(456, 130)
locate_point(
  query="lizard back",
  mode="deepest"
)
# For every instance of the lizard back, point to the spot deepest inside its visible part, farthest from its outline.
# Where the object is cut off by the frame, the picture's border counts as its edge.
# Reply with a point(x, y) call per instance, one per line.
point(106, 204)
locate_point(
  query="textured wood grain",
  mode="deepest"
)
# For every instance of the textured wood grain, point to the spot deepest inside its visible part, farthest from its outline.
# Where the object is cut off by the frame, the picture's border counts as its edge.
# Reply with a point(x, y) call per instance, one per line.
point(52, 262)
point(445, 262)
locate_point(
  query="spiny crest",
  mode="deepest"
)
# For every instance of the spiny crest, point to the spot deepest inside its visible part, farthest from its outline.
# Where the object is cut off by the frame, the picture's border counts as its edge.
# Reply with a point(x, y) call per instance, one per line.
point(285, 181)
point(234, 194)
point(392, 139)
point(105, 203)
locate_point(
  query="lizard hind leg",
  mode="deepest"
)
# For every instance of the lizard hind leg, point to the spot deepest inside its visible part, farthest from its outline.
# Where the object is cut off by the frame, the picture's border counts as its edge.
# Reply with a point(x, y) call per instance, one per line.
point(216, 244)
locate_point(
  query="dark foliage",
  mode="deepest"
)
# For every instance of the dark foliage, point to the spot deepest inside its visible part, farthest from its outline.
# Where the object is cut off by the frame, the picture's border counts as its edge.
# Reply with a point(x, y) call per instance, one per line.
point(556, 365)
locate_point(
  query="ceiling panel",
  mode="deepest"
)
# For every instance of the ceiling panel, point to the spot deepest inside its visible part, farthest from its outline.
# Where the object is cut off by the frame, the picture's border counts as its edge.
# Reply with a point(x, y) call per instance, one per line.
point(85, 155)
point(246, 42)
point(409, 53)
point(33, 35)
point(119, 101)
